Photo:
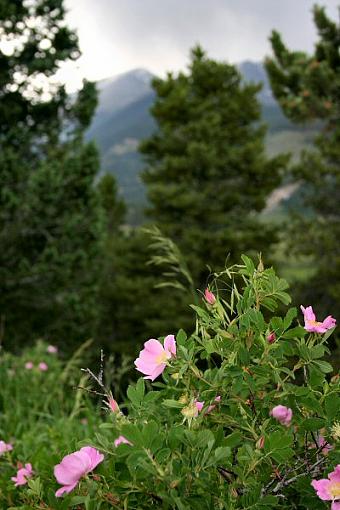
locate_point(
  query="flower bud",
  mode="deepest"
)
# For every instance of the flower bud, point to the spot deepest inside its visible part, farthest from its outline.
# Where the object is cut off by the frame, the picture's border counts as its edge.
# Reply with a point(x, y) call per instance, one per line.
point(209, 297)
point(112, 404)
point(175, 376)
point(260, 443)
point(271, 337)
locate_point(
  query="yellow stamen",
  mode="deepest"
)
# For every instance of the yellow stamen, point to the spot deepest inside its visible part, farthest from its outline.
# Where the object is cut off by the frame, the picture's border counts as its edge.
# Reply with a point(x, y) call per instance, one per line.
point(162, 358)
point(315, 323)
point(334, 489)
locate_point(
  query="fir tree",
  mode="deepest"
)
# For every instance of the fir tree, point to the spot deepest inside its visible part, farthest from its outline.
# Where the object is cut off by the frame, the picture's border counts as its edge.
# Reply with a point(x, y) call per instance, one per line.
point(308, 89)
point(50, 226)
point(208, 176)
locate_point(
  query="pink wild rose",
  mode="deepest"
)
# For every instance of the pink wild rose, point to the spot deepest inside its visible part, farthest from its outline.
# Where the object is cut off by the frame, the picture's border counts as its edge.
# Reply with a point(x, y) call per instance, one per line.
point(209, 297)
point(5, 447)
point(154, 357)
point(329, 489)
point(282, 414)
point(22, 475)
point(121, 440)
point(74, 466)
point(52, 349)
point(312, 325)
point(43, 367)
point(29, 365)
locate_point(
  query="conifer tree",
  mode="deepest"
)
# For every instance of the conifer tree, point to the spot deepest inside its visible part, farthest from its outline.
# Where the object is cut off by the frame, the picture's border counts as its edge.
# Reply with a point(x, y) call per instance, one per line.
point(308, 89)
point(207, 173)
point(50, 226)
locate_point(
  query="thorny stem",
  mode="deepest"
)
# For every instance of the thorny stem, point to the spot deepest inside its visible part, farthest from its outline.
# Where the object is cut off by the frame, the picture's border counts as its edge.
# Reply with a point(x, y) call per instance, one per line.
point(284, 482)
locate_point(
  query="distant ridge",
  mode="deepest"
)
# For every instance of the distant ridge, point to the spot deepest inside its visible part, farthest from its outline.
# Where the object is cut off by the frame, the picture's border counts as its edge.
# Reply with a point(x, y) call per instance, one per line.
point(123, 119)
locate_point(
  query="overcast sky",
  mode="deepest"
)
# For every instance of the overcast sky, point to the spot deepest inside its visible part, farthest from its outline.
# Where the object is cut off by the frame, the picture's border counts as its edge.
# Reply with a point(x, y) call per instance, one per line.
point(119, 35)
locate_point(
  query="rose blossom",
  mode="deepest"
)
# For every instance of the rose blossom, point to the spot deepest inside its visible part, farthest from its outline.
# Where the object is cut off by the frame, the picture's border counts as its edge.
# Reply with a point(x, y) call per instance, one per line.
point(312, 325)
point(74, 466)
point(154, 357)
point(329, 489)
point(22, 475)
point(5, 447)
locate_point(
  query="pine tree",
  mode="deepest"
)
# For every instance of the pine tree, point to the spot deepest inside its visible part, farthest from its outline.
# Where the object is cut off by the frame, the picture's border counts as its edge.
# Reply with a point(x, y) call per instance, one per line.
point(50, 222)
point(308, 89)
point(208, 176)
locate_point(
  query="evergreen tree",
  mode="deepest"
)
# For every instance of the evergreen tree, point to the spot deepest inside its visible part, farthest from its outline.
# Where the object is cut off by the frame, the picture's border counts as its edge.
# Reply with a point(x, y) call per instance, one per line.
point(50, 223)
point(308, 89)
point(208, 176)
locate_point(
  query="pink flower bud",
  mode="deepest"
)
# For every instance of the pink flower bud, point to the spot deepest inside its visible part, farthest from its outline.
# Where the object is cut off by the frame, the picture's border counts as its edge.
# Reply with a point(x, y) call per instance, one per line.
point(43, 366)
point(271, 338)
point(112, 404)
point(282, 414)
point(212, 406)
point(209, 297)
point(29, 365)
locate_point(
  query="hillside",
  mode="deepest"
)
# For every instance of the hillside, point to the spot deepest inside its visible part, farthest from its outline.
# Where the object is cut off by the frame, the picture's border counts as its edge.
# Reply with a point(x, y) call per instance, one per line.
point(122, 119)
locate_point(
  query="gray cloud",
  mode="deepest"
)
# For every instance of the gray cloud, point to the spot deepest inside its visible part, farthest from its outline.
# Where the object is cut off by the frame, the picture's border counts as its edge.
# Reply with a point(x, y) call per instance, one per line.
point(117, 35)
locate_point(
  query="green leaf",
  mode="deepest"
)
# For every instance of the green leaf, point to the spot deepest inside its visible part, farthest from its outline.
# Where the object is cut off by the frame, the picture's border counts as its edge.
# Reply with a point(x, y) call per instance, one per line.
point(328, 334)
point(249, 265)
point(316, 377)
point(233, 439)
point(297, 332)
point(318, 351)
point(204, 437)
point(222, 454)
point(278, 446)
point(181, 337)
point(311, 403)
point(312, 424)
point(290, 316)
point(325, 367)
point(136, 393)
point(168, 402)
point(132, 433)
point(200, 312)
point(332, 406)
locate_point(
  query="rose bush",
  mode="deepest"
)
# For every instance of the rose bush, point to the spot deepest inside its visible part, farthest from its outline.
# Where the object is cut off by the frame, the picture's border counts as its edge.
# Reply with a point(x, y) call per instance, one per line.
point(244, 413)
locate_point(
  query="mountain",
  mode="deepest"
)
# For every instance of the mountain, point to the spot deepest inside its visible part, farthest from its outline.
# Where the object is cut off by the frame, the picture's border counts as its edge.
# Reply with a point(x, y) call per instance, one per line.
point(123, 118)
